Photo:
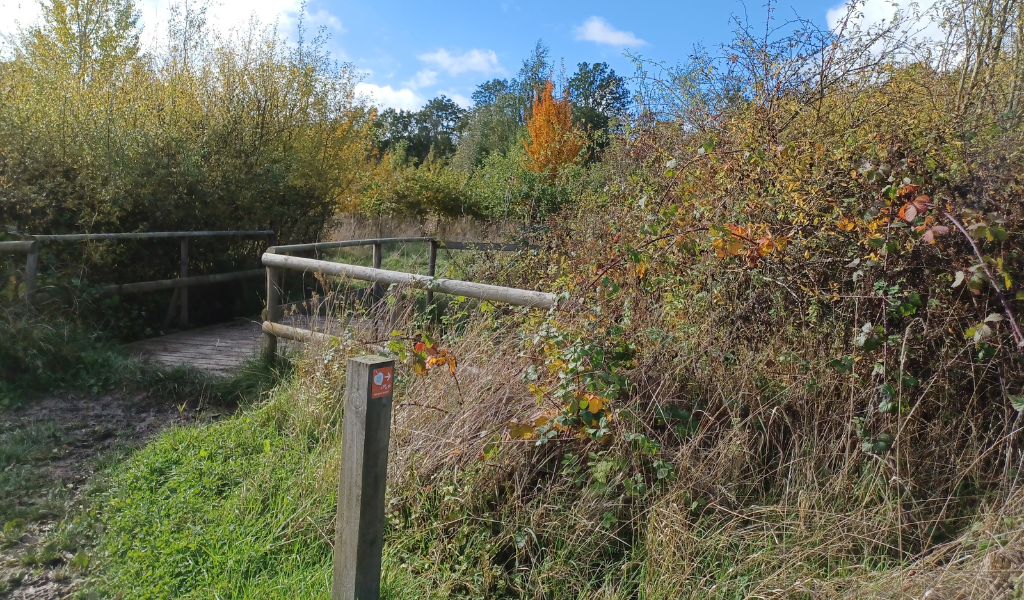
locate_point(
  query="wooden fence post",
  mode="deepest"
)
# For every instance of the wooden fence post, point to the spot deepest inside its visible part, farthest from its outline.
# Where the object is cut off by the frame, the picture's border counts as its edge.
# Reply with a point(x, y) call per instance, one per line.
point(432, 269)
point(31, 272)
point(273, 311)
point(183, 273)
point(366, 433)
point(376, 290)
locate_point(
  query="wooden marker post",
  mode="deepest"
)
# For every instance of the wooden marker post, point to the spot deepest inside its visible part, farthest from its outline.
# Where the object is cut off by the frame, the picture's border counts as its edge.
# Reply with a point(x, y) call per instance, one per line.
point(183, 295)
point(431, 268)
point(274, 312)
point(366, 433)
point(31, 272)
point(378, 255)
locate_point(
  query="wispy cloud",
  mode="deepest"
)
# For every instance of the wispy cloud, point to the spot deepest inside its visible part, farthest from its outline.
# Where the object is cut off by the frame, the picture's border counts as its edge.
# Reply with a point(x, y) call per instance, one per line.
point(422, 78)
point(459, 99)
point(920, 17)
point(475, 61)
point(387, 97)
point(596, 29)
point(222, 15)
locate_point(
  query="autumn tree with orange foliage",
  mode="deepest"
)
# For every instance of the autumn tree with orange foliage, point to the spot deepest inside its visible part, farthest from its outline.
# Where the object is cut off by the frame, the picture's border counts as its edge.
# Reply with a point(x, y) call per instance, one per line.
point(554, 142)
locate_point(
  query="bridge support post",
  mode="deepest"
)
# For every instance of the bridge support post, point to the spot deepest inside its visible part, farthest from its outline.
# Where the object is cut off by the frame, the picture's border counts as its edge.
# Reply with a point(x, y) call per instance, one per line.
point(31, 272)
point(366, 433)
point(432, 269)
point(273, 312)
point(378, 255)
point(183, 295)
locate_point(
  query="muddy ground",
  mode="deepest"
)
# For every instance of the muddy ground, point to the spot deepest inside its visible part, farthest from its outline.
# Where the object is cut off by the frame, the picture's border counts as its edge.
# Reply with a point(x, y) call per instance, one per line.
point(49, 449)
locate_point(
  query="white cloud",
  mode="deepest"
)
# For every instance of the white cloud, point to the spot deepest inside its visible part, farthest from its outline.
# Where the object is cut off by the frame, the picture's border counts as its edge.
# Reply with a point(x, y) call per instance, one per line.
point(477, 61)
point(596, 29)
point(870, 13)
point(422, 79)
point(404, 98)
point(459, 99)
point(15, 13)
point(221, 15)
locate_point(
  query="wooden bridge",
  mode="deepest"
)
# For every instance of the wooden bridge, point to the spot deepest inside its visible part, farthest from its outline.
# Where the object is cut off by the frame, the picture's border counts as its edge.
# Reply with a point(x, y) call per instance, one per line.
point(221, 349)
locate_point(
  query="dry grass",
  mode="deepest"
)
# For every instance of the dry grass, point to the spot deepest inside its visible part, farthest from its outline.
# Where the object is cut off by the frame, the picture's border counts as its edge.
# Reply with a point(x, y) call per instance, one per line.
point(773, 495)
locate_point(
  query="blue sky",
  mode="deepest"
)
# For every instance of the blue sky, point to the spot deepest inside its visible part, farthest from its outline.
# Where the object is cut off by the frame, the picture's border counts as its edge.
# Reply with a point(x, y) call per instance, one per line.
point(410, 51)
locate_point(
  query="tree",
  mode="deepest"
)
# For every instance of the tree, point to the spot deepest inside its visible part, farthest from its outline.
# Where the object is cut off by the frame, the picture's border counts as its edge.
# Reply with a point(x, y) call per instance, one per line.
point(500, 110)
point(435, 128)
point(489, 92)
point(598, 95)
point(84, 36)
point(554, 141)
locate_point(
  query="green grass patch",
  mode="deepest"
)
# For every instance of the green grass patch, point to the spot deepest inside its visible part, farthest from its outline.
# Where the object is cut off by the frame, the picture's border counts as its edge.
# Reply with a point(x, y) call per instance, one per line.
point(236, 509)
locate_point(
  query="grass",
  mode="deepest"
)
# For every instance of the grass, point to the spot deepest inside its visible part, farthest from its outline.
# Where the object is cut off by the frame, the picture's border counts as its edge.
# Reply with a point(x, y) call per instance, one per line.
point(26, 492)
point(244, 508)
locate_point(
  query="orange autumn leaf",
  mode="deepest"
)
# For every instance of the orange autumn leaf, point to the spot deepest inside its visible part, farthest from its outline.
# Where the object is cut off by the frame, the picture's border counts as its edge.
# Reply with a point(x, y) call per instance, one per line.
point(846, 224)
point(444, 357)
point(918, 206)
point(929, 236)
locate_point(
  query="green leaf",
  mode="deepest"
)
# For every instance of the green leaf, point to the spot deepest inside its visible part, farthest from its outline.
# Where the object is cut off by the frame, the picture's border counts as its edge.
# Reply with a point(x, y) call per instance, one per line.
point(843, 365)
point(1017, 402)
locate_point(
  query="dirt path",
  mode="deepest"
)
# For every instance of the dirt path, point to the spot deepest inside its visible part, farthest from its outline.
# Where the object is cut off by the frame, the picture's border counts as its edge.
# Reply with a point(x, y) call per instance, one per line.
point(48, 450)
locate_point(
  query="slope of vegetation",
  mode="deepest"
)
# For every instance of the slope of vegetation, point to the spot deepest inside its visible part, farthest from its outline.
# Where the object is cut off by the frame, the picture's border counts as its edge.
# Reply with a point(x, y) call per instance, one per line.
point(787, 362)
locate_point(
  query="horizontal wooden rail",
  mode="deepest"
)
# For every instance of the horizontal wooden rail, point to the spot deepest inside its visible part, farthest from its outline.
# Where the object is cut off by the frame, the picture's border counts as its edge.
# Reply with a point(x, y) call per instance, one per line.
point(454, 287)
point(448, 245)
point(294, 333)
point(483, 246)
point(346, 244)
point(95, 237)
point(16, 247)
point(184, 282)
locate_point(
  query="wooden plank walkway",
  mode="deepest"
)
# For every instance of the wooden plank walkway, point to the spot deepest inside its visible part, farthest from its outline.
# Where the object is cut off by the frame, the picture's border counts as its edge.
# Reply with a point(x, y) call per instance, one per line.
point(218, 349)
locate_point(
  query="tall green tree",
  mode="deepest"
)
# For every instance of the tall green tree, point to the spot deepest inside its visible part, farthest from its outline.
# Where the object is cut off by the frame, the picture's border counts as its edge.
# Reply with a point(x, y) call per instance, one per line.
point(86, 36)
point(433, 129)
point(598, 96)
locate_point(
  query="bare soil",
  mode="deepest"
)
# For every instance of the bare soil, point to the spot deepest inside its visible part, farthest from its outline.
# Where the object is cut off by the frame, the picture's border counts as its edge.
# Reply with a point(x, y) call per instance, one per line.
point(85, 433)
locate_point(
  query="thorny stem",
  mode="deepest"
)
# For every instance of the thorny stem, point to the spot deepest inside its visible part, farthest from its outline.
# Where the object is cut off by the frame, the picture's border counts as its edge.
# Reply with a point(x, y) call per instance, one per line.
point(602, 272)
point(1018, 336)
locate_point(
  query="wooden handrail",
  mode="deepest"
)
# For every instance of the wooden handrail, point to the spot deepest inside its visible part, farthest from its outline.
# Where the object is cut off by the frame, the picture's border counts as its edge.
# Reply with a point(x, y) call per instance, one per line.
point(181, 282)
point(455, 287)
point(448, 245)
point(95, 237)
point(276, 263)
point(345, 244)
point(16, 247)
point(30, 246)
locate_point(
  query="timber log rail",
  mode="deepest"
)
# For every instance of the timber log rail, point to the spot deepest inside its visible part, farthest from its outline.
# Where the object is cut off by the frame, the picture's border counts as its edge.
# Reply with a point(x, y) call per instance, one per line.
point(31, 245)
point(277, 259)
